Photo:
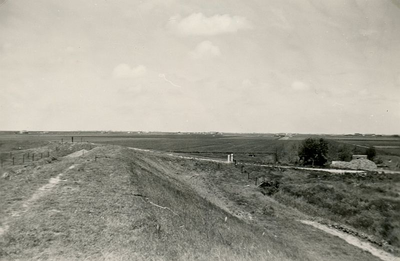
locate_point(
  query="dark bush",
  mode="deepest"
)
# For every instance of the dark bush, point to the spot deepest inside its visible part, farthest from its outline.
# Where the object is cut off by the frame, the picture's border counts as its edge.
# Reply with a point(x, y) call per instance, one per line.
point(371, 153)
point(344, 153)
point(314, 152)
point(363, 220)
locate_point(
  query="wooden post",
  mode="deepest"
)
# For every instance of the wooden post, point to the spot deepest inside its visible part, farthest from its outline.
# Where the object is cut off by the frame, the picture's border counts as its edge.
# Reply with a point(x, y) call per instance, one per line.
point(62, 140)
point(48, 153)
point(242, 168)
point(256, 179)
point(72, 139)
point(13, 161)
point(33, 156)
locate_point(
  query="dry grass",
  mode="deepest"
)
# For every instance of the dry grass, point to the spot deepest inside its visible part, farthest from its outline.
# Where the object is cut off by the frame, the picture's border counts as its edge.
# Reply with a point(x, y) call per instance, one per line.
point(135, 206)
point(370, 204)
point(96, 214)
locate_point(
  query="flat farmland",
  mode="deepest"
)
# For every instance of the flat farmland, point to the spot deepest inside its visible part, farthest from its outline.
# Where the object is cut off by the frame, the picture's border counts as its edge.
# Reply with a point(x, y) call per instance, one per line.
point(194, 143)
point(386, 145)
point(246, 147)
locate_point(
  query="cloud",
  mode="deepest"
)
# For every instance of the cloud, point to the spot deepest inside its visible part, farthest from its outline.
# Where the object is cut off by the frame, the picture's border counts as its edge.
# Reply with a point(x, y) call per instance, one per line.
point(125, 71)
point(199, 24)
point(300, 86)
point(205, 50)
point(163, 76)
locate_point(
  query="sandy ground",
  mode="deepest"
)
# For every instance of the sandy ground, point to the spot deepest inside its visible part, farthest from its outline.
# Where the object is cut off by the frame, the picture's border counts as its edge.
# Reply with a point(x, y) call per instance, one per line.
point(353, 241)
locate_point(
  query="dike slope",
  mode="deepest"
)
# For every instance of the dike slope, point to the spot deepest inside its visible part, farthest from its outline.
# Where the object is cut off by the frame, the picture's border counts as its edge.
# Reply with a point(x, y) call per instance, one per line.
point(120, 204)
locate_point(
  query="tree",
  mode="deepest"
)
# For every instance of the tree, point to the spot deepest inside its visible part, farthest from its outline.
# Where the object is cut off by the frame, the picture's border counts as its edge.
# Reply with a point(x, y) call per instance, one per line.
point(371, 153)
point(314, 152)
point(344, 153)
point(279, 153)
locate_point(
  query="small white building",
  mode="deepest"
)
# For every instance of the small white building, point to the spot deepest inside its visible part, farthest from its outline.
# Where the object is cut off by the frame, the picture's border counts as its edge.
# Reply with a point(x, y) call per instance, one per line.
point(359, 157)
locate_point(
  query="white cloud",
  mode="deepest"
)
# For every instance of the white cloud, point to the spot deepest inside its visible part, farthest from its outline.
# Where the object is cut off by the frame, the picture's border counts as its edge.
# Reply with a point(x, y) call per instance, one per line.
point(205, 50)
point(163, 76)
point(125, 71)
point(300, 86)
point(199, 24)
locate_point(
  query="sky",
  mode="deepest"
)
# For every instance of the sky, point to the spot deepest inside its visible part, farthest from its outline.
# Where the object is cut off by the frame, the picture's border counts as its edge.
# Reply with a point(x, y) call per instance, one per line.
point(295, 66)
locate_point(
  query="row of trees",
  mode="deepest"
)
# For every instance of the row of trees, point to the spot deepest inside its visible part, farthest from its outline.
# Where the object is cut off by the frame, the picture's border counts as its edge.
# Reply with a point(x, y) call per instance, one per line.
point(315, 152)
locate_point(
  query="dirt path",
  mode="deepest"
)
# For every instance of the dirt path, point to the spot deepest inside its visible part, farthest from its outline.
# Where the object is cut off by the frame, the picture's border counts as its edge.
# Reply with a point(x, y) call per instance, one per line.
point(353, 241)
point(248, 164)
point(41, 192)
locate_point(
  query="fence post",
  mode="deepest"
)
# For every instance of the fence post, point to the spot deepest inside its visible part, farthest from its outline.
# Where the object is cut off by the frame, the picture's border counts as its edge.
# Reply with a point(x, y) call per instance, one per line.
point(13, 161)
point(256, 179)
point(62, 140)
point(72, 139)
point(33, 156)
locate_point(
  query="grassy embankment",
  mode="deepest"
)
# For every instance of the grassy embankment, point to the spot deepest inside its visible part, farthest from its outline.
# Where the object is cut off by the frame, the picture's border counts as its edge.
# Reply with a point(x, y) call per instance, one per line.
point(367, 203)
point(115, 209)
